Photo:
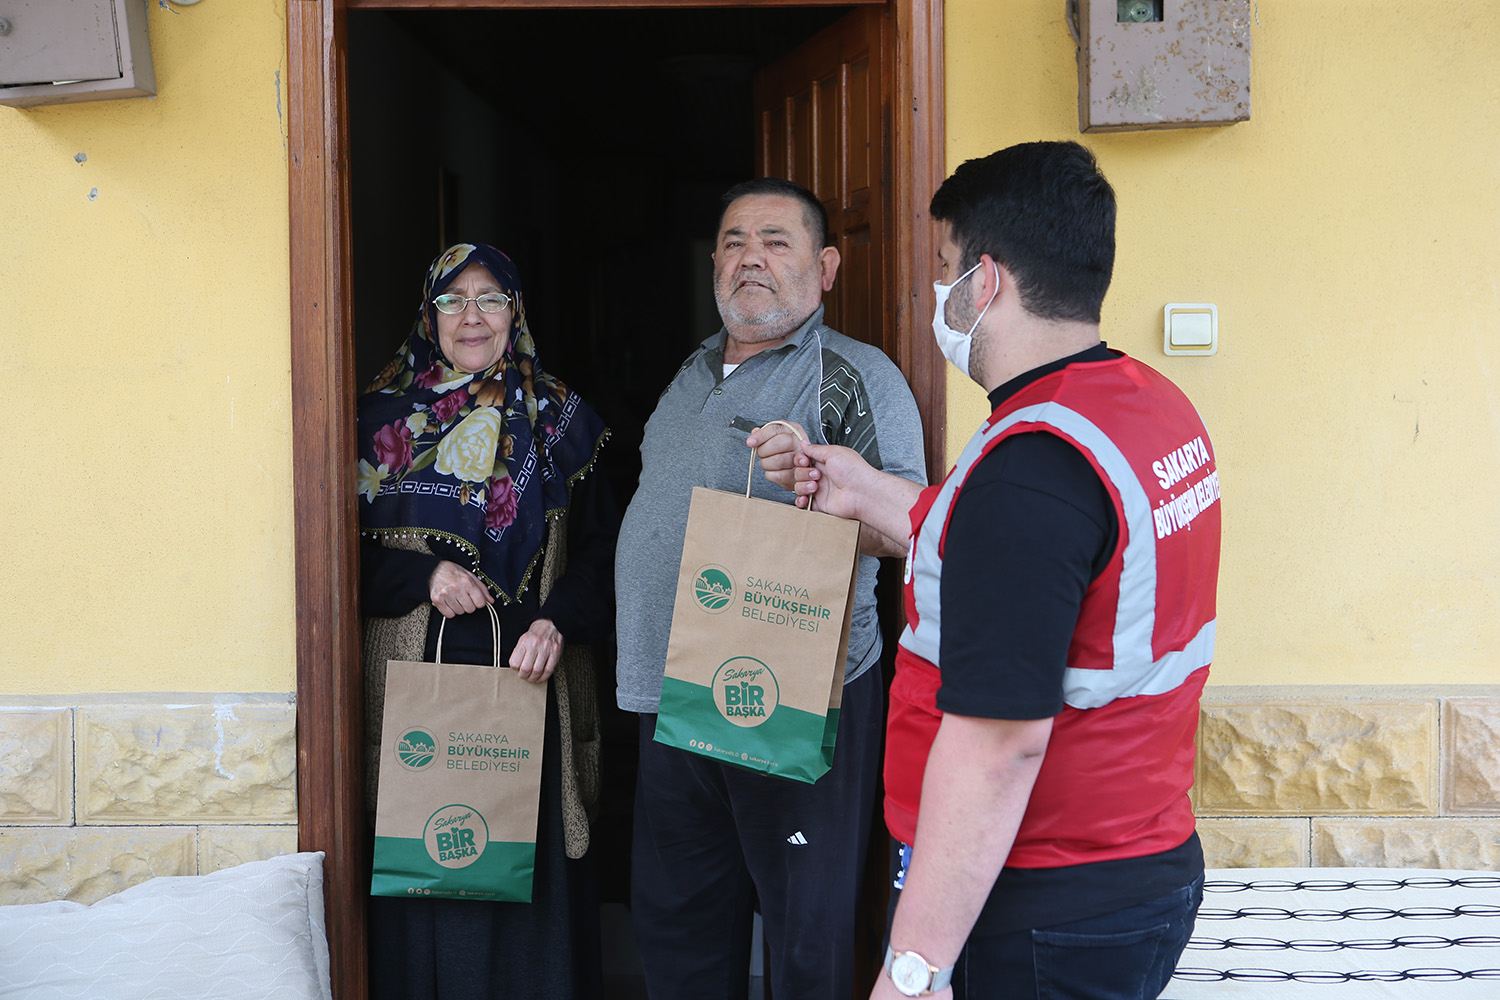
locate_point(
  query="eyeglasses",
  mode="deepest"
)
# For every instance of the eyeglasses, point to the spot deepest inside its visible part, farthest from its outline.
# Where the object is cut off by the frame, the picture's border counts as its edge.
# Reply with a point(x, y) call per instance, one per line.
point(453, 303)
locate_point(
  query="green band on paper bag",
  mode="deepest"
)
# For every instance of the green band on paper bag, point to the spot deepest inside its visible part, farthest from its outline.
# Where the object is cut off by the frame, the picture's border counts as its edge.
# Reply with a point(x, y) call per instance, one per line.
point(790, 743)
point(404, 868)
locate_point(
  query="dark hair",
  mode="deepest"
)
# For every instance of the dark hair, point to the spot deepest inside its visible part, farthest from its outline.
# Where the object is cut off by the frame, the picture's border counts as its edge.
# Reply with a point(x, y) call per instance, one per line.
point(813, 212)
point(1044, 211)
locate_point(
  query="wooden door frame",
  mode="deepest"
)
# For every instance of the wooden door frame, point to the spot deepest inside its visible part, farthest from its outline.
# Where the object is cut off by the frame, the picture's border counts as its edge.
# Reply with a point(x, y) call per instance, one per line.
point(330, 740)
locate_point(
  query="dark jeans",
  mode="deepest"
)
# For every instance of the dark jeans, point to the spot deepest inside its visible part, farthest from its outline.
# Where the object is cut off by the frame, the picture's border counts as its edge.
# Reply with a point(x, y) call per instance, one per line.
point(1127, 954)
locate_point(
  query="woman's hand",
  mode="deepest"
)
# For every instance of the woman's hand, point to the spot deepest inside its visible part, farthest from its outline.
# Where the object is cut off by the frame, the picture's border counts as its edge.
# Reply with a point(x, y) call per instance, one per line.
point(456, 591)
point(537, 652)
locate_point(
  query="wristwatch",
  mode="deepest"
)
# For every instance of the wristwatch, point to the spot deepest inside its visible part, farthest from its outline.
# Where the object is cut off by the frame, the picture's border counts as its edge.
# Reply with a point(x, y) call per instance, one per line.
point(913, 975)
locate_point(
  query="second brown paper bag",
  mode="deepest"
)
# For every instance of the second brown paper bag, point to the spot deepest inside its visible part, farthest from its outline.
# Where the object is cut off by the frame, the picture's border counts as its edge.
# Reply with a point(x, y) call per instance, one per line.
point(760, 631)
point(460, 774)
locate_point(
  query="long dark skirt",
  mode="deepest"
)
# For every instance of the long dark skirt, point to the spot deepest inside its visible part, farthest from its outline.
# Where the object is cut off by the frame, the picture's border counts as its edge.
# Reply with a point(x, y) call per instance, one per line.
point(454, 949)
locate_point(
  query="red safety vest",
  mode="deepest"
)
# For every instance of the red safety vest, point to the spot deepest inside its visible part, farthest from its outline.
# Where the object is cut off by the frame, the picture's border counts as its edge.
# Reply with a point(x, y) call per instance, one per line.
point(1114, 782)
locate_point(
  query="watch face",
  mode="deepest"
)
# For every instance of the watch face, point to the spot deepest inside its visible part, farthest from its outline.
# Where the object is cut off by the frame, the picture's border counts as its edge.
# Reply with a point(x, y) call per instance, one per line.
point(910, 973)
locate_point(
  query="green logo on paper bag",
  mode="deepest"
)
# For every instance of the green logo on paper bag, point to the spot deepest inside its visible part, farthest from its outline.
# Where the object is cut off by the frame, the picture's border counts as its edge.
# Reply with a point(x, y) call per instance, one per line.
point(416, 749)
point(713, 587)
point(745, 691)
point(456, 836)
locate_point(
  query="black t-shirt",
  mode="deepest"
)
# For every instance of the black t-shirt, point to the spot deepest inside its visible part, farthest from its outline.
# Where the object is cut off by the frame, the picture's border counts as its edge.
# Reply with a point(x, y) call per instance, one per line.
point(1036, 507)
point(1030, 531)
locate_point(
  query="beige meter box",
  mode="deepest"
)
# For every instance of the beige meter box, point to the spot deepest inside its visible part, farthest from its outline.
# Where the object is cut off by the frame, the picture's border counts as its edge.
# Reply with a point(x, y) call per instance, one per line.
point(63, 51)
point(1149, 64)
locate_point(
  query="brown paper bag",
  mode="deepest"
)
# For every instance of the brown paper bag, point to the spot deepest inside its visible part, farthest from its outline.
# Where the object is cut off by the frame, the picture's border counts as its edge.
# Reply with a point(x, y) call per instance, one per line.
point(760, 631)
point(460, 780)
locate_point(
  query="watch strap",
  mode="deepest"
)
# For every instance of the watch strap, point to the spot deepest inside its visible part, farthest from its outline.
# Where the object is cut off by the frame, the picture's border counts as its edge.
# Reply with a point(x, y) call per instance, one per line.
point(940, 978)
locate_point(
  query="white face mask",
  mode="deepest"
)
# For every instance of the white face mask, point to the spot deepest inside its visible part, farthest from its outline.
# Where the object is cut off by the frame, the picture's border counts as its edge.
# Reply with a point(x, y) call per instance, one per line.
point(953, 344)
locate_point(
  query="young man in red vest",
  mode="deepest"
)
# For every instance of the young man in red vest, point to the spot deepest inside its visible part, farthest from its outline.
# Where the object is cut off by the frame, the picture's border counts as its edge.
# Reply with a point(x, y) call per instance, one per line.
point(1060, 589)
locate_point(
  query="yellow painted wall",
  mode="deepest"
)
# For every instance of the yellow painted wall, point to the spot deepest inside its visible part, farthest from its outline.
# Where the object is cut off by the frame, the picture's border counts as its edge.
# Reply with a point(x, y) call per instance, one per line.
point(147, 503)
point(1350, 235)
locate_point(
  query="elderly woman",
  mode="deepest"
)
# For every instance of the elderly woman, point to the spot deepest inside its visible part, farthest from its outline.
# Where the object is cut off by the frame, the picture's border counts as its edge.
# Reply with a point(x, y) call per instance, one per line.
point(477, 479)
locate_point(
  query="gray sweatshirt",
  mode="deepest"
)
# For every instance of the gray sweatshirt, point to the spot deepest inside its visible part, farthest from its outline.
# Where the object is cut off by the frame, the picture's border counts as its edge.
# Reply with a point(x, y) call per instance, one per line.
point(841, 390)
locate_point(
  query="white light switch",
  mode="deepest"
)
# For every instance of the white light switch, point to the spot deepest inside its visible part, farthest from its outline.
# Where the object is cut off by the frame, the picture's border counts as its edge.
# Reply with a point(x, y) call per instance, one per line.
point(1190, 328)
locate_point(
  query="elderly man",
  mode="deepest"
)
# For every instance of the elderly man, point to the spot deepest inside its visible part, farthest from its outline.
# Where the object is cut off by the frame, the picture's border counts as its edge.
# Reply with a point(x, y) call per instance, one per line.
point(713, 842)
point(1060, 609)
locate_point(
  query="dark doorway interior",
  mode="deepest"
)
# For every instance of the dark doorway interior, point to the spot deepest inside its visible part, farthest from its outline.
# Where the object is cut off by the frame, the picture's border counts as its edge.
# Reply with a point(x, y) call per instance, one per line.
point(592, 146)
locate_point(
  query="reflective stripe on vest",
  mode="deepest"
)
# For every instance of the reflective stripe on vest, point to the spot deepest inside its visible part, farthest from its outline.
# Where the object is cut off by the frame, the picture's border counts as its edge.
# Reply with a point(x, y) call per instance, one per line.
point(1134, 671)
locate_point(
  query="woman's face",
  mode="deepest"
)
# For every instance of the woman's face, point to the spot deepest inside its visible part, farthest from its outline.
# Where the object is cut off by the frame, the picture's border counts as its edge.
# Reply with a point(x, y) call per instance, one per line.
point(474, 340)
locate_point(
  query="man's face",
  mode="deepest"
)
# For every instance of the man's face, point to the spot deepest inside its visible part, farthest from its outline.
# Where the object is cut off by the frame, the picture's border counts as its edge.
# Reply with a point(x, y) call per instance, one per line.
point(962, 312)
point(768, 274)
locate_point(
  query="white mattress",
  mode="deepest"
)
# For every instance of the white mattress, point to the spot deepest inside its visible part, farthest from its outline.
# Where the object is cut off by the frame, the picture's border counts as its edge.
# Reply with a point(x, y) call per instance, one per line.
point(1343, 934)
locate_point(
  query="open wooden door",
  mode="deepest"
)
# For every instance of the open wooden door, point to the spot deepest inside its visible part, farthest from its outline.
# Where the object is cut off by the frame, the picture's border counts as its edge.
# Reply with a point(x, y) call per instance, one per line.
point(873, 158)
point(822, 115)
point(822, 118)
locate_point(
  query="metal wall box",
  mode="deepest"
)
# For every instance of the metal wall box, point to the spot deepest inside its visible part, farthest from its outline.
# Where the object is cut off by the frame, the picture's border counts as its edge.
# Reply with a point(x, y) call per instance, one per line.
point(62, 51)
point(1185, 64)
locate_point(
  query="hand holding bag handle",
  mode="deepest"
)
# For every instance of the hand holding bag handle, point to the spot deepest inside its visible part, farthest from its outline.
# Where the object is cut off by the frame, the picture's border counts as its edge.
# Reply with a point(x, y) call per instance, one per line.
point(750, 473)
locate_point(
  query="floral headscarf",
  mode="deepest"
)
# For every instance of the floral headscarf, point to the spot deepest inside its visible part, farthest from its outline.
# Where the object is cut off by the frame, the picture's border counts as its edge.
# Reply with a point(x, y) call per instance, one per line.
point(480, 460)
